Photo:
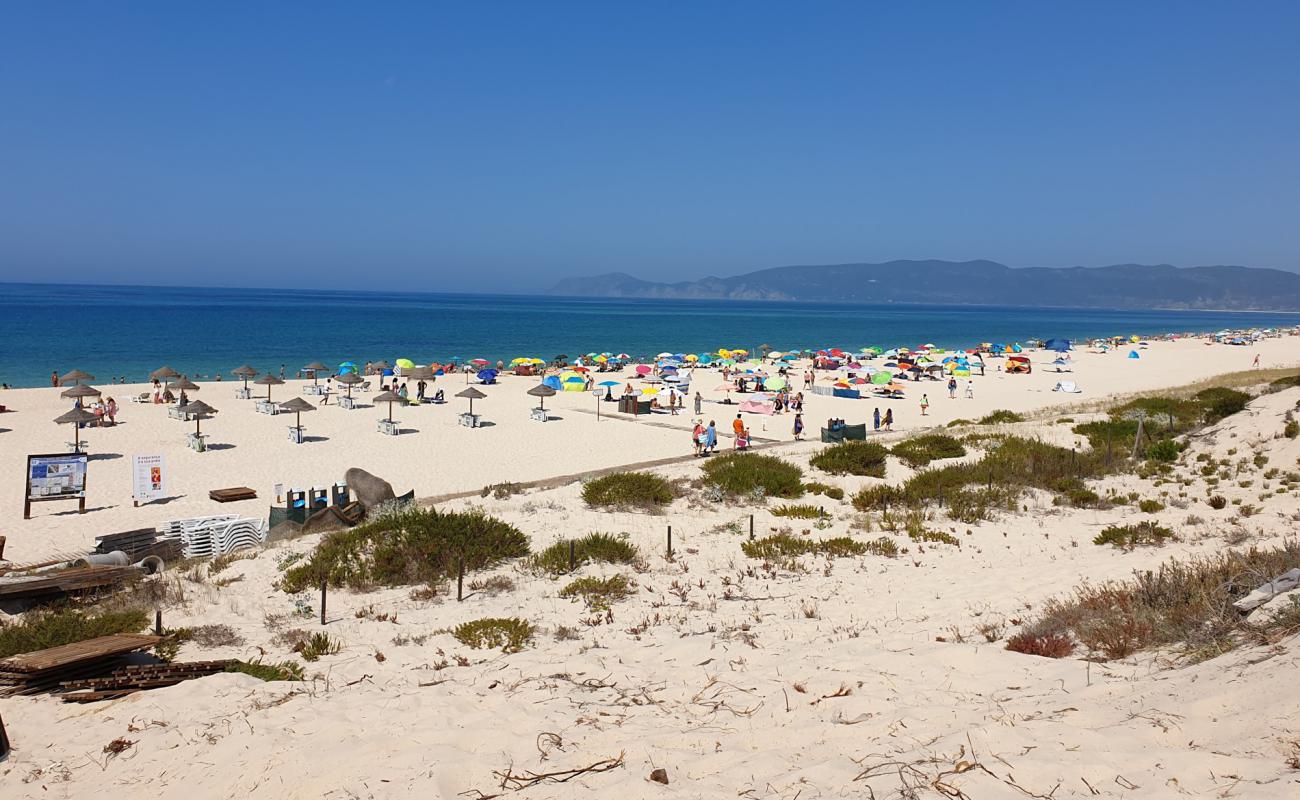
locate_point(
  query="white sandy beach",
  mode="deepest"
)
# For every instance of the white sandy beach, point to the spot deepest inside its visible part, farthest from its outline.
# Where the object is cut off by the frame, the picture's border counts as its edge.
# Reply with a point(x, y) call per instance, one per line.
point(855, 678)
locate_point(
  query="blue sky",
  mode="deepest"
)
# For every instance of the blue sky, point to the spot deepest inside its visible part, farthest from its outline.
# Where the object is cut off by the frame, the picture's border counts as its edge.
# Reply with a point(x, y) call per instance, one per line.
point(490, 146)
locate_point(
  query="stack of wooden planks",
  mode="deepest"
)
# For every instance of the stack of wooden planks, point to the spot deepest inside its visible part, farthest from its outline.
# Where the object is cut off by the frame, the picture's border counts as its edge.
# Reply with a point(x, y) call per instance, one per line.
point(233, 494)
point(46, 670)
point(64, 581)
point(130, 679)
point(138, 544)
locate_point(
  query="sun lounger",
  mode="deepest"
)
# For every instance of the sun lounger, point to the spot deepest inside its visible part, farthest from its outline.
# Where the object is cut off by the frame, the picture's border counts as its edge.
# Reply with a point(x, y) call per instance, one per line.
point(143, 397)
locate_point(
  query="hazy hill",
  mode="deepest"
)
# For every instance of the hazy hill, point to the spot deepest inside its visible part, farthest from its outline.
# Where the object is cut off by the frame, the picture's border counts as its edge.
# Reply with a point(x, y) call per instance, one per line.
point(977, 283)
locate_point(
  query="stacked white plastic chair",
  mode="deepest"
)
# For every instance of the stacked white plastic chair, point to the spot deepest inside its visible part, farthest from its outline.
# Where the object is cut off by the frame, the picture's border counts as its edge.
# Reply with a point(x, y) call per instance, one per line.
point(207, 537)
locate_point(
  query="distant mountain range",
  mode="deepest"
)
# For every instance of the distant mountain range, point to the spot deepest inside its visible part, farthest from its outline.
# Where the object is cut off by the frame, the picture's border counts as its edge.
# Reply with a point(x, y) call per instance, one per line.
point(976, 283)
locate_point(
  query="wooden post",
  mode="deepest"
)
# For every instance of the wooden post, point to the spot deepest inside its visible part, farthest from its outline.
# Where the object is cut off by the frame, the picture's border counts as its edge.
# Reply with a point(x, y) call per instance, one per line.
point(670, 541)
point(751, 527)
point(460, 580)
point(572, 555)
point(157, 622)
point(324, 584)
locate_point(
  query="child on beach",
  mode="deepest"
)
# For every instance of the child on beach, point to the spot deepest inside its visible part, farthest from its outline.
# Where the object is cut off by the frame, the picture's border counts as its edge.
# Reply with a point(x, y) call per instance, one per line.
point(925, 401)
point(697, 437)
point(889, 419)
point(970, 390)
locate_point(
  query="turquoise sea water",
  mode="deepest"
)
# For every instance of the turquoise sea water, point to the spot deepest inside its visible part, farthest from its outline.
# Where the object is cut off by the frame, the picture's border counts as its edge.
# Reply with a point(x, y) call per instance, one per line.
point(116, 331)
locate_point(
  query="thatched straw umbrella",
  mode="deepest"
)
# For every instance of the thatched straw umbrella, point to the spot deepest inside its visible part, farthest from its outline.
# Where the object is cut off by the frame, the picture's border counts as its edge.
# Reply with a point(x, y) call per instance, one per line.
point(200, 410)
point(75, 376)
point(246, 372)
point(162, 373)
point(315, 368)
point(380, 366)
point(542, 391)
point(268, 380)
point(420, 373)
point(183, 385)
point(350, 379)
point(297, 405)
point(76, 417)
point(390, 398)
point(79, 391)
point(473, 394)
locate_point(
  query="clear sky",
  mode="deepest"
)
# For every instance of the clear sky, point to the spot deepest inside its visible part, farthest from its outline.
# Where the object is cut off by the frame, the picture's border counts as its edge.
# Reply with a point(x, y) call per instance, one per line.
point(491, 146)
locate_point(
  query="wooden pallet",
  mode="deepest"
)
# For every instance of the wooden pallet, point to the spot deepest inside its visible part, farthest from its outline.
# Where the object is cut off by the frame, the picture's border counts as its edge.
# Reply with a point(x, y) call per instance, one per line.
point(232, 494)
point(131, 679)
point(67, 581)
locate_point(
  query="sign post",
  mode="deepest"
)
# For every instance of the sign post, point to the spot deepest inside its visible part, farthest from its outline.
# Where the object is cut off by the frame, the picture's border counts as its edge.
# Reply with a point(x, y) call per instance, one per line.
point(60, 476)
point(147, 473)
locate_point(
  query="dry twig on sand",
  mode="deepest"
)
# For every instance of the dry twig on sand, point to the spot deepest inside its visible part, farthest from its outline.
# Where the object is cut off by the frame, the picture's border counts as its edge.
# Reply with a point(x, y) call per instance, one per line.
point(517, 782)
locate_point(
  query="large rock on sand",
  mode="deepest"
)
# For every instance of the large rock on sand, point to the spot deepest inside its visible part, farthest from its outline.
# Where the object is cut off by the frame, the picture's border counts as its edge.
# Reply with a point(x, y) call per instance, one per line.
point(369, 490)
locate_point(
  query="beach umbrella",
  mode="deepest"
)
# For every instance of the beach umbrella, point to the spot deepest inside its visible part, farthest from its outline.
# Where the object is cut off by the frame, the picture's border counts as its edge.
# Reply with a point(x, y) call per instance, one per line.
point(473, 394)
point(315, 367)
point(297, 405)
point(404, 363)
point(350, 379)
point(268, 380)
point(162, 373)
point(389, 398)
point(183, 385)
point(200, 410)
point(76, 376)
point(881, 378)
point(608, 383)
point(419, 373)
point(487, 375)
point(79, 391)
point(347, 366)
point(76, 417)
point(774, 383)
point(244, 372)
point(542, 391)
point(380, 365)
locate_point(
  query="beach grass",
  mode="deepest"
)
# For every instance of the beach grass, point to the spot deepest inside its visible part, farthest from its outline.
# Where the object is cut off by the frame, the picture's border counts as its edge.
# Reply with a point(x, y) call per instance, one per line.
point(852, 458)
point(919, 451)
point(627, 490)
point(752, 474)
point(600, 548)
point(41, 629)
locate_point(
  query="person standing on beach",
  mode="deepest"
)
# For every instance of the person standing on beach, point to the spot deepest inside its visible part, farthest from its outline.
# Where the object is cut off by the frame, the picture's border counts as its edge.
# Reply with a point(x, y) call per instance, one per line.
point(889, 419)
point(699, 403)
point(738, 426)
point(925, 402)
point(875, 419)
point(952, 388)
point(1256, 364)
point(710, 438)
point(798, 427)
point(697, 437)
point(54, 377)
point(970, 390)
point(281, 372)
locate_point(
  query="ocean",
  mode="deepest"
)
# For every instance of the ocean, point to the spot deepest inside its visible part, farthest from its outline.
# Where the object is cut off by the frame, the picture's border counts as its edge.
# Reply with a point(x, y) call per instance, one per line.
point(129, 331)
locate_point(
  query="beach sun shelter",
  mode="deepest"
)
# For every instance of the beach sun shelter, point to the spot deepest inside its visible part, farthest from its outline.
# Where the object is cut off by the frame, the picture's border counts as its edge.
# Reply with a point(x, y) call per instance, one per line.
point(297, 405)
point(470, 419)
point(163, 373)
point(80, 391)
point(349, 379)
point(200, 410)
point(268, 380)
point(315, 368)
point(76, 418)
point(75, 376)
point(388, 425)
point(541, 391)
point(245, 373)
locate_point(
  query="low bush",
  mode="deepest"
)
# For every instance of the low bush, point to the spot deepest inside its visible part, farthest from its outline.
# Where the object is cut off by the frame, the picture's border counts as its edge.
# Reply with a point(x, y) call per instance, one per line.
point(284, 671)
point(1218, 402)
point(1165, 451)
point(511, 634)
point(785, 545)
point(833, 492)
point(1285, 382)
point(1217, 502)
point(1291, 429)
point(627, 490)
point(599, 593)
point(1150, 506)
point(852, 458)
point(1183, 604)
point(39, 630)
point(919, 451)
point(317, 645)
point(602, 548)
point(798, 511)
point(409, 546)
point(1128, 537)
point(1000, 417)
point(752, 474)
point(1047, 645)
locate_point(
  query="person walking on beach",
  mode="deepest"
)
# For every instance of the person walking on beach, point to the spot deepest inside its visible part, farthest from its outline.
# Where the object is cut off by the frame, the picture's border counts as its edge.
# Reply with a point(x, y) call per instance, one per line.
point(738, 426)
point(925, 403)
point(110, 411)
point(281, 372)
point(889, 419)
point(952, 388)
point(970, 390)
point(1253, 366)
point(54, 377)
point(875, 419)
point(710, 438)
point(798, 427)
point(699, 403)
point(697, 437)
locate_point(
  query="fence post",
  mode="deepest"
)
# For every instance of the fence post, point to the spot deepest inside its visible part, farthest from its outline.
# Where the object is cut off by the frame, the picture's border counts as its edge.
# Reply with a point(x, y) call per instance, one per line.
point(157, 622)
point(751, 527)
point(324, 584)
point(460, 579)
point(572, 555)
point(670, 541)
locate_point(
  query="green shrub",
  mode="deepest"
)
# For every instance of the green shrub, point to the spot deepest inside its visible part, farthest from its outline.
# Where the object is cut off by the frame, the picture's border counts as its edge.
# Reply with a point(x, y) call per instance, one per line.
point(1128, 537)
point(1217, 502)
point(317, 645)
point(752, 474)
point(919, 451)
point(1285, 382)
point(833, 492)
point(1117, 434)
point(1291, 429)
point(40, 630)
point(877, 498)
point(627, 490)
point(785, 545)
point(852, 458)
point(511, 634)
point(957, 423)
point(1001, 416)
point(408, 546)
point(599, 593)
point(1150, 506)
point(602, 548)
point(1164, 451)
point(284, 671)
point(1218, 402)
point(798, 511)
